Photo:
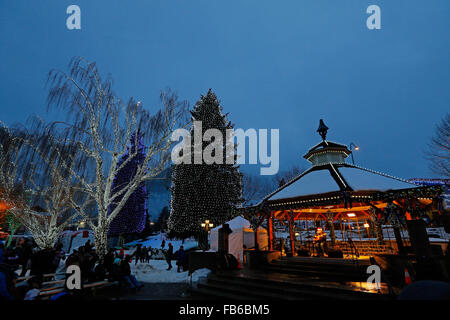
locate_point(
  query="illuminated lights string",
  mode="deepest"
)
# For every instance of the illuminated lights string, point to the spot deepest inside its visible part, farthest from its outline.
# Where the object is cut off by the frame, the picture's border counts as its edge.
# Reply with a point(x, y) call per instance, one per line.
point(132, 217)
point(202, 192)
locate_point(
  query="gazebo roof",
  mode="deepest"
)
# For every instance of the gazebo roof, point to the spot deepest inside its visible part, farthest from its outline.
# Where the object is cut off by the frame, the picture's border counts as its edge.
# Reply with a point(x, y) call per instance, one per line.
point(333, 177)
point(331, 181)
point(331, 174)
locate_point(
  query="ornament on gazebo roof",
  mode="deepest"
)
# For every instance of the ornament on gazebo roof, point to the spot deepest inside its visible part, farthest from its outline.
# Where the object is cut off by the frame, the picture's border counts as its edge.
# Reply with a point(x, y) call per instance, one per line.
point(326, 151)
point(322, 130)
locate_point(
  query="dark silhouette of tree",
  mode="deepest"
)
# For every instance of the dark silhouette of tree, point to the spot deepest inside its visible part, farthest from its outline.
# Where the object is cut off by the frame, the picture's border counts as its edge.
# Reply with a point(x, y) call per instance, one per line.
point(439, 148)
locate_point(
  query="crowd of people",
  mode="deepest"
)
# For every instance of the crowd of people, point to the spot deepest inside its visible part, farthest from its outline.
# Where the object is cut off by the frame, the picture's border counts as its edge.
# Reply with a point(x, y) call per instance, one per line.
point(144, 254)
point(23, 267)
point(15, 262)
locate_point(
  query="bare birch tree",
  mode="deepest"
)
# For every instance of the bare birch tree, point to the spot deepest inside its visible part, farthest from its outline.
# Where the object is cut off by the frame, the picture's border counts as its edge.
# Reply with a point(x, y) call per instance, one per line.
point(101, 126)
point(34, 185)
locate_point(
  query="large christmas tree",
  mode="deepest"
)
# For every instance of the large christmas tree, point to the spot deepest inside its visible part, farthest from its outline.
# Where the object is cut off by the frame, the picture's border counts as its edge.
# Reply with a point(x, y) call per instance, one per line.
point(203, 191)
point(132, 217)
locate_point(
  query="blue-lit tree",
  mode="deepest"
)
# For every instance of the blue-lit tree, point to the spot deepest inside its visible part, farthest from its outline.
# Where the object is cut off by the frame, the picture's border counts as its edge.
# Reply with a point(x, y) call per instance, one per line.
point(132, 217)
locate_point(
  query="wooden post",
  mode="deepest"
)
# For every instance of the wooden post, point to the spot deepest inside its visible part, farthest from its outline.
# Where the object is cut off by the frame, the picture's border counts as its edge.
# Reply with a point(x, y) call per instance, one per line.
point(271, 231)
point(291, 232)
point(330, 218)
point(399, 240)
point(357, 224)
point(255, 226)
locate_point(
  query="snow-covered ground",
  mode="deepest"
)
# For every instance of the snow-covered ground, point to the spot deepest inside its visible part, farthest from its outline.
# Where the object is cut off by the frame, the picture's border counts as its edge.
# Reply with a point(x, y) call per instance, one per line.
point(156, 240)
point(156, 272)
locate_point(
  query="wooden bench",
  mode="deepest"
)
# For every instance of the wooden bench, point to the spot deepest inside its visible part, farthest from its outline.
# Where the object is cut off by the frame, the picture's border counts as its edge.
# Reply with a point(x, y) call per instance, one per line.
point(49, 292)
point(47, 275)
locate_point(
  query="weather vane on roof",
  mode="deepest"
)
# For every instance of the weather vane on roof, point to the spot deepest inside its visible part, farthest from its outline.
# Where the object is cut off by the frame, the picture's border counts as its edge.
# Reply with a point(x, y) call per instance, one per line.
point(322, 130)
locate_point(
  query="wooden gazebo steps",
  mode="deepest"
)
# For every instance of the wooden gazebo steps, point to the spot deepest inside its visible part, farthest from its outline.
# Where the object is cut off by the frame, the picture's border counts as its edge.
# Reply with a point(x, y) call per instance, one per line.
point(322, 268)
point(249, 285)
point(326, 260)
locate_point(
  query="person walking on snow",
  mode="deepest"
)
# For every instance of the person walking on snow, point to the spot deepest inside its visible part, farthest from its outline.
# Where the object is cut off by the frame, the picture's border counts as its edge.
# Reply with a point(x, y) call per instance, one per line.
point(169, 256)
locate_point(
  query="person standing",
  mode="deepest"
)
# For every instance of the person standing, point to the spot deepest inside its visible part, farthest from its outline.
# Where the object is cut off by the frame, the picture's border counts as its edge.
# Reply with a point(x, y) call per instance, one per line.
point(143, 254)
point(137, 253)
point(126, 273)
point(181, 259)
point(25, 257)
point(149, 254)
point(169, 256)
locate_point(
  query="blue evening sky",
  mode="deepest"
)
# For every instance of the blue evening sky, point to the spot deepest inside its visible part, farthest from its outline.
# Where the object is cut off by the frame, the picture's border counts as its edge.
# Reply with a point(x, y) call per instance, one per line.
point(273, 64)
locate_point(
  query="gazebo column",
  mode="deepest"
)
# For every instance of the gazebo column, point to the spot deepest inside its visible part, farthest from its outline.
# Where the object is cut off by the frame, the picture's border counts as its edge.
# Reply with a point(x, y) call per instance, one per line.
point(291, 232)
point(255, 222)
point(373, 213)
point(379, 231)
point(330, 218)
point(270, 224)
point(395, 223)
point(256, 232)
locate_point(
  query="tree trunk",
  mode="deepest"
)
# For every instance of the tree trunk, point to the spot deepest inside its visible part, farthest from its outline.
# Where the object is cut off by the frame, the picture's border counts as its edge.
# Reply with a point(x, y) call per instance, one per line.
point(101, 242)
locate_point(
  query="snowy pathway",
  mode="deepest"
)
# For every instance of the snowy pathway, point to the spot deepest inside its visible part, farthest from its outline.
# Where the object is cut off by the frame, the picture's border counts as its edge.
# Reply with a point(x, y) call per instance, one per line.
point(156, 272)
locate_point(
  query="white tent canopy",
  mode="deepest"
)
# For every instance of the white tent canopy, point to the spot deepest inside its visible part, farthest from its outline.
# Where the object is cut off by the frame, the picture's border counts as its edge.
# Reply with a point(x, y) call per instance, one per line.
point(242, 235)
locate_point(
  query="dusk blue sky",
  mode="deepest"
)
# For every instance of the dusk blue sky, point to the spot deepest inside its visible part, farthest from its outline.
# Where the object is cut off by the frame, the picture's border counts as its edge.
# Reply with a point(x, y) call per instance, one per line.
point(273, 64)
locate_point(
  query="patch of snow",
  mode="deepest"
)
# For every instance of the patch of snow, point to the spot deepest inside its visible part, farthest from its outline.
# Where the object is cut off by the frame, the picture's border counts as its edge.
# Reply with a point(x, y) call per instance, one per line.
point(156, 240)
point(156, 272)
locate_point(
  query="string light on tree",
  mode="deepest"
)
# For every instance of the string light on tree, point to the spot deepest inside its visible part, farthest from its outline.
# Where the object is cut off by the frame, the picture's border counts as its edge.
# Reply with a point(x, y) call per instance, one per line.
point(203, 191)
point(132, 216)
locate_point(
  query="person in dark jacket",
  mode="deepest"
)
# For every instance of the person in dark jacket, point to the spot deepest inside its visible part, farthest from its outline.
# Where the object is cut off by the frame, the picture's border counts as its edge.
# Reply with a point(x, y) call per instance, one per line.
point(148, 254)
point(42, 262)
point(181, 259)
point(108, 260)
point(25, 257)
point(7, 282)
point(126, 272)
point(169, 256)
point(138, 253)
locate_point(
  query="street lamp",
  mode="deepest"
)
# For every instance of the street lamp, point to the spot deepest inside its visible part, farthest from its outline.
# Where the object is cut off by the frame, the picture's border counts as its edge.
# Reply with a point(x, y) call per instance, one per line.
point(207, 225)
point(353, 146)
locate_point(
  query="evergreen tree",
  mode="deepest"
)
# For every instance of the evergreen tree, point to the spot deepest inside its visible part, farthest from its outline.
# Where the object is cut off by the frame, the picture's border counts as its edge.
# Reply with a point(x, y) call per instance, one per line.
point(161, 222)
point(203, 191)
point(132, 216)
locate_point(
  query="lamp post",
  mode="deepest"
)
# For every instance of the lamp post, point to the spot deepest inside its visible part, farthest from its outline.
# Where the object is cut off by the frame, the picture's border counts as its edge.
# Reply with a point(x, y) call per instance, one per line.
point(353, 146)
point(366, 225)
point(207, 225)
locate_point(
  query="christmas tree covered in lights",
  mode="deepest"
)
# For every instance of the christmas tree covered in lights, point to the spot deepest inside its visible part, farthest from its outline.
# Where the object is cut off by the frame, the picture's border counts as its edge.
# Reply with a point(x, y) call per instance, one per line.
point(203, 191)
point(132, 217)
